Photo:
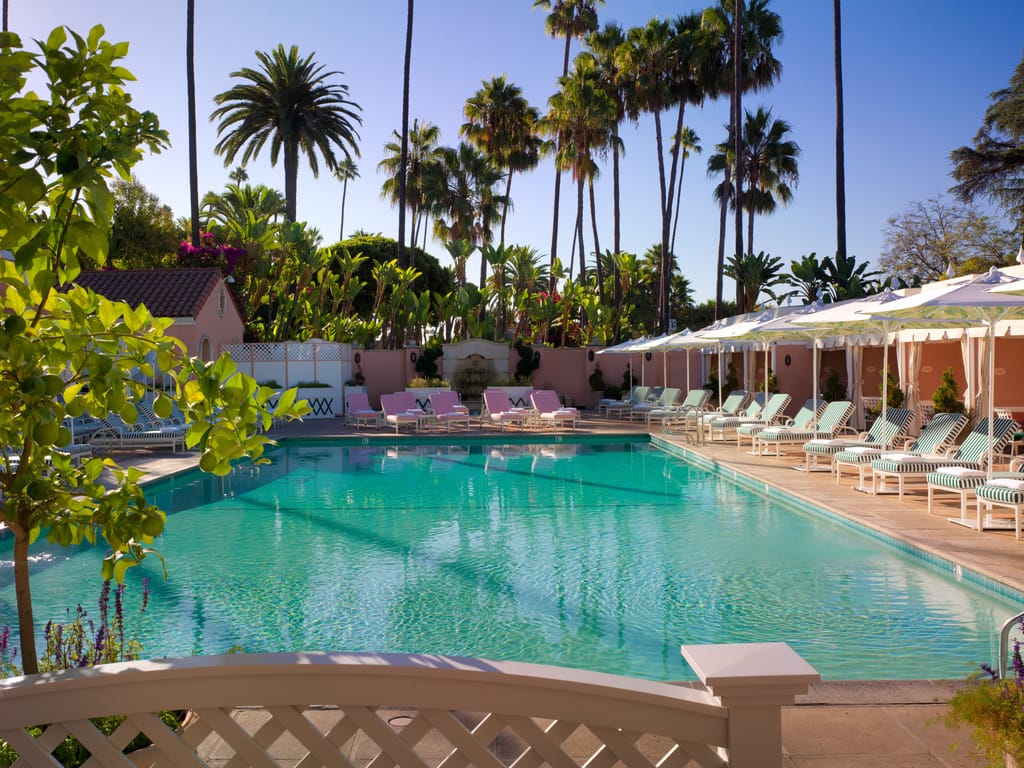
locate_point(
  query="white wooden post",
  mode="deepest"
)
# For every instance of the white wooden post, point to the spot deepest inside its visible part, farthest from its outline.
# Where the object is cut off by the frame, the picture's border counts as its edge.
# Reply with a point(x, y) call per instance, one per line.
point(754, 681)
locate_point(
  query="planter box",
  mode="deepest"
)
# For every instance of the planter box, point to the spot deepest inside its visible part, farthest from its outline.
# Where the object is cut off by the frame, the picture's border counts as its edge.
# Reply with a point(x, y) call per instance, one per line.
point(322, 400)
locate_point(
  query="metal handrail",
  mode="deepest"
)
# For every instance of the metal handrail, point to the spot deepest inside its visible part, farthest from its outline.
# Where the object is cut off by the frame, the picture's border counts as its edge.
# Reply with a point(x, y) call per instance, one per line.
point(1004, 641)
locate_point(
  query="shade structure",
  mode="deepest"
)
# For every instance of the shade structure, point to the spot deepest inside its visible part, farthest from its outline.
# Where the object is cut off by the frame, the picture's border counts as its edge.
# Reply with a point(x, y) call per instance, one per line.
point(624, 348)
point(971, 303)
point(657, 344)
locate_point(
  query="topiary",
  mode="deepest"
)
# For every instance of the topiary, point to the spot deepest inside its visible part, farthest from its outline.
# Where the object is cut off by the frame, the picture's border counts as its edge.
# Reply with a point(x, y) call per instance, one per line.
point(834, 389)
point(597, 379)
point(426, 364)
point(946, 398)
point(894, 395)
point(529, 361)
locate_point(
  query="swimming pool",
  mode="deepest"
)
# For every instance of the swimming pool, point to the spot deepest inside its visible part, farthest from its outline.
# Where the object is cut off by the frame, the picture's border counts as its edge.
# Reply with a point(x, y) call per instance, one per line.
point(604, 556)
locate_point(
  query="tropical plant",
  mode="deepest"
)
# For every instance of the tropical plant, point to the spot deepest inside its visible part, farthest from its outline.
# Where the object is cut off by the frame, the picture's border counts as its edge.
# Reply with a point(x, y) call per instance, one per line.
point(993, 167)
point(946, 397)
point(846, 279)
point(69, 351)
point(809, 277)
point(994, 708)
point(288, 102)
point(422, 152)
point(568, 19)
point(769, 166)
point(754, 275)
point(345, 172)
point(501, 123)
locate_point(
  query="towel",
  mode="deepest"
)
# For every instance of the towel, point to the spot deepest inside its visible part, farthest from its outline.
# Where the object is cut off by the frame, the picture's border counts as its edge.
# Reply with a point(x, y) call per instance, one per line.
point(960, 471)
point(902, 457)
point(864, 449)
point(826, 441)
point(1006, 482)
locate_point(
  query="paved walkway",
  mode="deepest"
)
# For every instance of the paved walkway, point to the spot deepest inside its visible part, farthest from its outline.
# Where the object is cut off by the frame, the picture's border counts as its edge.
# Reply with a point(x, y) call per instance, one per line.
point(838, 725)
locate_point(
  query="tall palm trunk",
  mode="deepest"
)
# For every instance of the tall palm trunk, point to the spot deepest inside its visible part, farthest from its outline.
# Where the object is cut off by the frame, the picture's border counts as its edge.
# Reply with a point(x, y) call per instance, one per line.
point(664, 270)
point(679, 199)
point(840, 151)
point(190, 78)
point(722, 218)
point(558, 177)
point(344, 194)
point(597, 245)
point(5, 16)
point(403, 261)
point(616, 222)
point(750, 230)
point(737, 118)
point(291, 178)
point(666, 221)
point(508, 203)
point(579, 230)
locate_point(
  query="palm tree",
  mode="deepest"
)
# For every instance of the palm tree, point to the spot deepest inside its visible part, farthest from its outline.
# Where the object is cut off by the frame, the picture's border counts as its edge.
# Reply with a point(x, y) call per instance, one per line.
point(289, 103)
point(404, 262)
point(422, 152)
point(769, 167)
point(686, 141)
point(190, 79)
point(239, 175)
point(603, 45)
point(840, 140)
point(581, 119)
point(569, 19)
point(501, 123)
point(345, 171)
point(760, 29)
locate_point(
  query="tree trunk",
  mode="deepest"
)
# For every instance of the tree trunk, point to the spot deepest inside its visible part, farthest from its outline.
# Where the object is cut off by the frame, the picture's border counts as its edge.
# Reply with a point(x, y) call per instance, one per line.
point(840, 151)
point(750, 231)
point(597, 246)
point(737, 85)
point(403, 169)
point(508, 204)
point(291, 178)
point(679, 200)
point(190, 78)
point(616, 231)
point(722, 218)
point(667, 256)
point(558, 179)
point(23, 595)
point(5, 16)
point(663, 267)
point(344, 194)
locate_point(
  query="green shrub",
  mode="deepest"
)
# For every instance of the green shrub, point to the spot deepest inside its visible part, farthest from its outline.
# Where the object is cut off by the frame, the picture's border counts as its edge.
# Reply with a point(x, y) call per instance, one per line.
point(426, 363)
point(834, 389)
point(894, 396)
point(946, 398)
point(529, 361)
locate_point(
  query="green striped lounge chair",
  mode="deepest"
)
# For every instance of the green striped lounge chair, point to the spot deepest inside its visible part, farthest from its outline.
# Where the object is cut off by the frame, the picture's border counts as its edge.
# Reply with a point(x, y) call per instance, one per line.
point(637, 395)
point(769, 414)
point(883, 433)
point(831, 422)
point(803, 419)
point(733, 405)
point(694, 400)
point(753, 411)
point(694, 419)
point(940, 433)
point(665, 399)
point(972, 454)
point(963, 481)
point(1004, 493)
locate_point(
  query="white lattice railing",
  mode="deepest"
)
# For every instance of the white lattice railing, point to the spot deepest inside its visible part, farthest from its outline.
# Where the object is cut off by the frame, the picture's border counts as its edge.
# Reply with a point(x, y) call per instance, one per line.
point(388, 710)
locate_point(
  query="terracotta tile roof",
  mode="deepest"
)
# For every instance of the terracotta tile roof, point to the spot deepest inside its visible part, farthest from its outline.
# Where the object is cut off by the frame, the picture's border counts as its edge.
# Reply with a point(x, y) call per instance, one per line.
point(177, 293)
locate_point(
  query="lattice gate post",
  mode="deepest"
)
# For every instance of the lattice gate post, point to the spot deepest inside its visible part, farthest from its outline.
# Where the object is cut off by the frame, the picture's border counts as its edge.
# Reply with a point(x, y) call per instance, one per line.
point(754, 681)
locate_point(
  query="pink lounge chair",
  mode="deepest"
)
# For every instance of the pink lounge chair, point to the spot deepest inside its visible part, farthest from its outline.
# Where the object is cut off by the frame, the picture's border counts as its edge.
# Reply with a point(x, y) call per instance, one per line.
point(448, 410)
point(550, 409)
point(360, 413)
point(498, 409)
point(394, 406)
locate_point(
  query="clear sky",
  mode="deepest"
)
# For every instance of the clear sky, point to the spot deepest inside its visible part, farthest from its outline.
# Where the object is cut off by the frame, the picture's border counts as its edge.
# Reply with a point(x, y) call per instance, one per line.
point(917, 76)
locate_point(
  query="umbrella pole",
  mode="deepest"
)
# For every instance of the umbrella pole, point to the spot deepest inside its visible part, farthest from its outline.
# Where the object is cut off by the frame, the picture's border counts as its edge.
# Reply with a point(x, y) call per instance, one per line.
point(764, 408)
point(991, 394)
point(687, 351)
point(814, 385)
point(885, 379)
point(719, 374)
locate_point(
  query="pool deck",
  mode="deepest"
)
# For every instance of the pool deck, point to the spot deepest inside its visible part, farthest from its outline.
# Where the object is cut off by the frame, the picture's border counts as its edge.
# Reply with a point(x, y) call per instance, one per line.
point(837, 725)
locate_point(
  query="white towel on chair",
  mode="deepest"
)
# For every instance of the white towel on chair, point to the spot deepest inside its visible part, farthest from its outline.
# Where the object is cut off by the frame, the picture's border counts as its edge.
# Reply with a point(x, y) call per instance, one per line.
point(960, 471)
point(1007, 482)
point(901, 457)
point(864, 449)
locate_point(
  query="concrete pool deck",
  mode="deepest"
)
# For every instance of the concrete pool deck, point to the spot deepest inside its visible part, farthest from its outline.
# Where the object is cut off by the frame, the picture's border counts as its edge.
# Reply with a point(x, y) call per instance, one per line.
point(838, 724)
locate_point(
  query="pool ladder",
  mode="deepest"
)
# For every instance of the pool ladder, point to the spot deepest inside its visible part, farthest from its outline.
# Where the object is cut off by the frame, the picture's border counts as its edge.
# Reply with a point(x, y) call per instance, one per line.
point(680, 424)
point(1004, 641)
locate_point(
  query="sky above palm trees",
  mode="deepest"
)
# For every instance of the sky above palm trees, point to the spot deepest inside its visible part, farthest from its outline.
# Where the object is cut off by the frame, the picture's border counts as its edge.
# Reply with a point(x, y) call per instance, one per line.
point(917, 75)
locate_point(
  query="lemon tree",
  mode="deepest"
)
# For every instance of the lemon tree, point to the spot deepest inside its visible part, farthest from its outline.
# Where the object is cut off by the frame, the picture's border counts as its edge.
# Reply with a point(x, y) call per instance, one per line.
point(65, 351)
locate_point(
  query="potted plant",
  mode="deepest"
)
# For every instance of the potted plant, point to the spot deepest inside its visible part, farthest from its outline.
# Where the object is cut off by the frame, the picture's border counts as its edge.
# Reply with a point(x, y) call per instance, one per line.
point(597, 385)
point(946, 398)
point(357, 383)
point(994, 709)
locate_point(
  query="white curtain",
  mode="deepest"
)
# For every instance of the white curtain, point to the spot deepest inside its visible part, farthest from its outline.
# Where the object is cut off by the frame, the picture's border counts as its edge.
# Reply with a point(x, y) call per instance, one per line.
point(855, 385)
point(970, 375)
point(979, 404)
point(911, 390)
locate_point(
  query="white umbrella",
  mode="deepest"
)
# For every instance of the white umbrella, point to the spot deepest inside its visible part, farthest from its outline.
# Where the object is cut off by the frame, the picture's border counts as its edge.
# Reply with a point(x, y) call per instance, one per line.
point(657, 344)
point(971, 303)
point(625, 347)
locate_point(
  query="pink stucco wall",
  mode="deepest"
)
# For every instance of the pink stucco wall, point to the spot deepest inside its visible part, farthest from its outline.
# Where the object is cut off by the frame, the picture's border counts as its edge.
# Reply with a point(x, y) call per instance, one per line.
point(210, 324)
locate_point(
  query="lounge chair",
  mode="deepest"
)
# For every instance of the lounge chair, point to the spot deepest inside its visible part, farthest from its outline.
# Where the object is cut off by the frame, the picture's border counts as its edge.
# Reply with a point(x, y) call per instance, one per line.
point(696, 399)
point(360, 413)
point(550, 409)
point(731, 406)
point(116, 434)
point(935, 438)
point(831, 422)
point(666, 399)
point(804, 419)
point(883, 433)
point(1005, 493)
point(972, 455)
point(637, 395)
point(498, 410)
point(412, 405)
point(448, 410)
point(769, 414)
point(964, 481)
point(396, 413)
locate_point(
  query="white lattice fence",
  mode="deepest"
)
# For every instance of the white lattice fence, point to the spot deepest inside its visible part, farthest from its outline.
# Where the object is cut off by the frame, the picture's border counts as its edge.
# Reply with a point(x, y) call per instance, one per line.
point(291, 363)
point(387, 710)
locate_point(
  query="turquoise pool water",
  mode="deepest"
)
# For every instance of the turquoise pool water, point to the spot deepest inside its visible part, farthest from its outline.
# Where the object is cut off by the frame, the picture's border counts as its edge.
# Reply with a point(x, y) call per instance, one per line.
point(602, 556)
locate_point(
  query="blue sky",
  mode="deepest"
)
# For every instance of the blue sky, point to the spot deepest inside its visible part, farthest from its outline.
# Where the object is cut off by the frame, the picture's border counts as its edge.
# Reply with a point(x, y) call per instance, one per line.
point(917, 77)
